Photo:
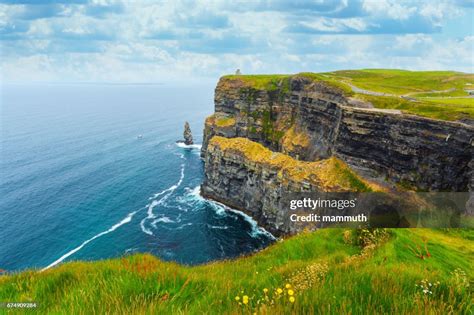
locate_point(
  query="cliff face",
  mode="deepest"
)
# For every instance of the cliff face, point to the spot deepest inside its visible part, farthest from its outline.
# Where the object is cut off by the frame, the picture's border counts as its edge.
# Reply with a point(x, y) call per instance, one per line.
point(297, 134)
point(416, 152)
point(245, 175)
point(311, 120)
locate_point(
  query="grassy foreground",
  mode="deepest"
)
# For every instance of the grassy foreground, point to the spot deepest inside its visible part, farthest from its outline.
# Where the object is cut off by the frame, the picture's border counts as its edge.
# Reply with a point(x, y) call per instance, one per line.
point(332, 271)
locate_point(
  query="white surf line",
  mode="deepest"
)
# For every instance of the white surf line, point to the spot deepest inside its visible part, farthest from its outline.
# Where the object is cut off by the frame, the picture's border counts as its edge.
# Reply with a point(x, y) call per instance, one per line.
point(126, 220)
point(189, 146)
point(256, 229)
point(154, 203)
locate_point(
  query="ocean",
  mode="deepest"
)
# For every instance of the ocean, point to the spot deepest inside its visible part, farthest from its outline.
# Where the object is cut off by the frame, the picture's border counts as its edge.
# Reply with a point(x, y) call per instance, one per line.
point(78, 182)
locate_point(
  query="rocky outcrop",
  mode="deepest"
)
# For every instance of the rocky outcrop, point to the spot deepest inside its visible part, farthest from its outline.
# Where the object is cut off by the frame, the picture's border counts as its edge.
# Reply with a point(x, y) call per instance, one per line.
point(188, 137)
point(312, 119)
point(245, 175)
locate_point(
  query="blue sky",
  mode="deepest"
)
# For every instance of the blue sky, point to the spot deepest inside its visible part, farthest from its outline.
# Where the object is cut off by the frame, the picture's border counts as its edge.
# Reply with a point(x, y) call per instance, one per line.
point(168, 41)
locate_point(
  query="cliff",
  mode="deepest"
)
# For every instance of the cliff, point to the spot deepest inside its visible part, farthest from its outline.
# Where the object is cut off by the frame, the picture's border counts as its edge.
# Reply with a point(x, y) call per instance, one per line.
point(247, 176)
point(310, 118)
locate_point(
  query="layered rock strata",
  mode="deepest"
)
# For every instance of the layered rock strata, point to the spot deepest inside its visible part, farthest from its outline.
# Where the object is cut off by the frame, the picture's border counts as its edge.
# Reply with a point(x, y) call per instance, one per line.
point(311, 119)
point(245, 175)
point(304, 134)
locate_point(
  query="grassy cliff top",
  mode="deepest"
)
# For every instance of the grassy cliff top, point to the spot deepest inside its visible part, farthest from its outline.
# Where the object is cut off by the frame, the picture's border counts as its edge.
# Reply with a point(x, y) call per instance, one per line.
point(331, 174)
point(271, 82)
point(392, 81)
point(327, 270)
point(434, 94)
point(404, 82)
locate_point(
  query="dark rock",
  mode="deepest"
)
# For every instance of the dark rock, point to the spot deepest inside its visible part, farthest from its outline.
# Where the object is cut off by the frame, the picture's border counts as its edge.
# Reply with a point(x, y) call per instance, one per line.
point(188, 137)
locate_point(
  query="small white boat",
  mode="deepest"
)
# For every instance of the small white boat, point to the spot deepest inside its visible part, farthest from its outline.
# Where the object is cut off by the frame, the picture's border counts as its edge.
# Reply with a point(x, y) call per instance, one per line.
point(139, 136)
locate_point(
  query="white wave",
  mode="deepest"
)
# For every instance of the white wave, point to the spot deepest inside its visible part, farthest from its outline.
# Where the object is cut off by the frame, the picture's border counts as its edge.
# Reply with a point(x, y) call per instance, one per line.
point(217, 227)
point(167, 193)
point(195, 196)
point(256, 230)
point(158, 194)
point(150, 215)
point(163, 219)
point(221, 209)
point(196, 192)
point(130, 250)
point(189, 146)
point(126, 220)
point(183, 226)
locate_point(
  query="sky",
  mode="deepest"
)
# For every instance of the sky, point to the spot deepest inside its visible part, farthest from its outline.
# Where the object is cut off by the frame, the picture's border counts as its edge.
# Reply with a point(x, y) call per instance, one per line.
point(144, 41)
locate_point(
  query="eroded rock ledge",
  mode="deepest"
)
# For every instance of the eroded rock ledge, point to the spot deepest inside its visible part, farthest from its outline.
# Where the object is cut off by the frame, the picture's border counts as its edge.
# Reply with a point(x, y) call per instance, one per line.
point(245, 175)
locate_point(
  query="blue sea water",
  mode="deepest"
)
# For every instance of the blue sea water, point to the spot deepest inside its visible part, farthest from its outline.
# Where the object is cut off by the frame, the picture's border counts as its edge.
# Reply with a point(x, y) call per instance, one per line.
point(78, 184)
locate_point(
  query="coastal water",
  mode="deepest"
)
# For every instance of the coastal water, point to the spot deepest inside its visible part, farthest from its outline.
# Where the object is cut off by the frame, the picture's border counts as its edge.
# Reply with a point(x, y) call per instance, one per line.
point(77, 183)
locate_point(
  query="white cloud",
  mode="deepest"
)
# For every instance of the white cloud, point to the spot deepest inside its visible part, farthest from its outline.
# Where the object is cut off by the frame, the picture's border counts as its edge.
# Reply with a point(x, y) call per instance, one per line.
point(409, 41)
point(438, 10)
point(392, 9)
point(173, 40)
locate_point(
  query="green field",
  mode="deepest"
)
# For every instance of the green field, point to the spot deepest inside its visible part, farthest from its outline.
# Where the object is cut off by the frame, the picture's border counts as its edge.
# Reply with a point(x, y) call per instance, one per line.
point(332, 271)
point(464, 102)
point(402, 82)
point(433, 94)
point(281, 82)
point(437, 108)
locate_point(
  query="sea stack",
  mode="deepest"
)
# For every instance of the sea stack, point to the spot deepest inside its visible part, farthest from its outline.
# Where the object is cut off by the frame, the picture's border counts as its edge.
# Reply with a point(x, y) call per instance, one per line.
point(188, 137)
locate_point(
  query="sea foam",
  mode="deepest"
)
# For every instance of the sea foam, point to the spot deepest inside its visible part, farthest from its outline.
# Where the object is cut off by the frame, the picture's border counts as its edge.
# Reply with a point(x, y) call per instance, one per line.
point(167, 193)
point(221, 209)
point(126, 220)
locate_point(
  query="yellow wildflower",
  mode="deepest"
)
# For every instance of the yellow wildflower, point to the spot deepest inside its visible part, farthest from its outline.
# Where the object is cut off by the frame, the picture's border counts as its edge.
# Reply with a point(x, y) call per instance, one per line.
point(245, 299)
point(292, 299)
point(288, 286)
point(237, 298)
point(265, 290)
point(279, 291)
point(290, 292)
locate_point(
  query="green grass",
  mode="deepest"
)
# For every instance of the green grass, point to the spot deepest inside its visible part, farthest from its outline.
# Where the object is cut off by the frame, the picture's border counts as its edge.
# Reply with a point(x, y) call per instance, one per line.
point(437, 108)
point(400, 82)
point(455, 93)
point(347, 91)
point(262, 81)
point(378, 281)
point(420, 85)
point(273, 82)
point(468, 103)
